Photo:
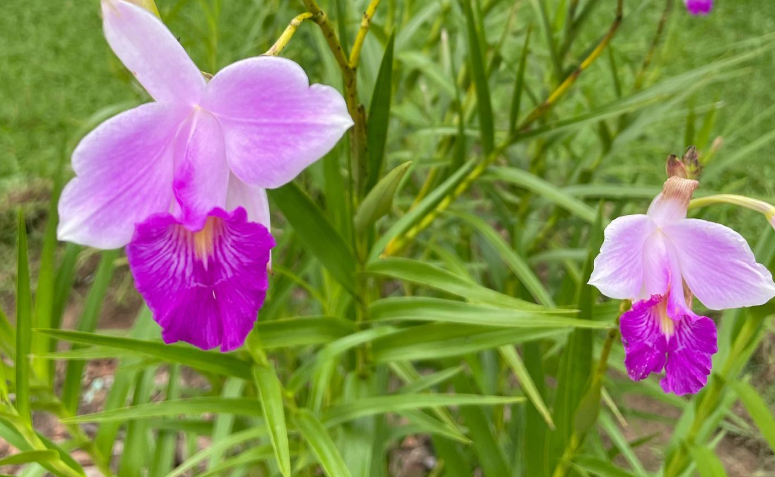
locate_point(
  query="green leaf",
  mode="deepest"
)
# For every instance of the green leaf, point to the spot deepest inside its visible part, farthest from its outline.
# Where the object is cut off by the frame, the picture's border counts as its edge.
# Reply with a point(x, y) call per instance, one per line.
point(449, 311)
point(399, 402)
point(379, 117)
point(7, 335)
point(476, 41)
point(621, 443)
point(435, 73)
point(482, 433)
point(238, 438)
point(758, 410)
point(708, 464)
point(271, 396)
point(23, 322)
point(246, 459)
point(45, 291)
point(191, 406)
point(302, 331)
point(317, 233)
point(433, 426)
point(422, 209)
point(514, 362)
point(135, 455)
point(429, 380)
point(516, 263)
point(321, 443)
point(71, 389)
point(425, 274)
point(223, 424)
point(601, 467)
point(516, 96)
point(30, 457)
point(166, 442)
point(440, 340)
point(214, 362)
point(546, 190)
point(378, 202)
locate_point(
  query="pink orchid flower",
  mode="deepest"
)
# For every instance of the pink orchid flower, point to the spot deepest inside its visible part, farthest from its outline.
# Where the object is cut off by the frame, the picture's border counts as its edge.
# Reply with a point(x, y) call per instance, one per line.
point(659, 260)
point(163, 176)
point(699, 7)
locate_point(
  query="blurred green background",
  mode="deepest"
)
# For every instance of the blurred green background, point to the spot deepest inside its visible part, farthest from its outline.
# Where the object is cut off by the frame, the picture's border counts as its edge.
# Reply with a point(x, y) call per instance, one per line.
point(59, 78)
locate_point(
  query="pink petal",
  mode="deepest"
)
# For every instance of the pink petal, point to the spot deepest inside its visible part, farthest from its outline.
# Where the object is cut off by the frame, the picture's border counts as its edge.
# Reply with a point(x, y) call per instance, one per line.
point(123, 174)
point(274, 123)
point(699, 7)
point(718, 266)
point(689, 355)
point(201, 172)
point(205, 287)
point(645, 343)
point(671, 205)
point(657, 266)
point(252, 198)
point(618, 271)
point(151, 53)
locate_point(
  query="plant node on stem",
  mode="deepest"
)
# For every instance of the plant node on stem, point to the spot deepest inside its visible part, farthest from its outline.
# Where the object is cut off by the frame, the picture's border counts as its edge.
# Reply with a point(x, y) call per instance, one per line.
point(399, 242)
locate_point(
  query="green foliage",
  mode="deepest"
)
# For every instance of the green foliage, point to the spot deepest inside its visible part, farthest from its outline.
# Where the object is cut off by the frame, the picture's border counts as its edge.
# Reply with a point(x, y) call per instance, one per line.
point(446, 296)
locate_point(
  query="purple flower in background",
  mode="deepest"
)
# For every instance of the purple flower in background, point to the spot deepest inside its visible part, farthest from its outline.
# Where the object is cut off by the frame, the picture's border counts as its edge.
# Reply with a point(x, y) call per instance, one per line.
point(160, 177)
point(699, 7)
point(659, 260)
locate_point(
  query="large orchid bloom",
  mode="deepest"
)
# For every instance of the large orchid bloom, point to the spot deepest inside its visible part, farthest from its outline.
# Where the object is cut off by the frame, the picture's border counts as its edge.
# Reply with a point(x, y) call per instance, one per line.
point(181, 180)
point(660, 260)
point(699, 7)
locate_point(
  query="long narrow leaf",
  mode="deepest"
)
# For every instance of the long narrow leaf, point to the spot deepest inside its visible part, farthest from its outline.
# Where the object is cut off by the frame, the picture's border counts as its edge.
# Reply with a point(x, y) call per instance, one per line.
point(271, 396)
point(321, 443)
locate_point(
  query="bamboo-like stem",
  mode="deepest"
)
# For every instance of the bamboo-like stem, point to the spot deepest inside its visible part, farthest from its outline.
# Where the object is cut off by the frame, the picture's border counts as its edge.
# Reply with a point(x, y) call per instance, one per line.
point(740, 200)
point(399, 242)
point(364, 29)
point(320, 17)
point(563, 88)
point(356, 110)
point(281, 42)
point(654, 44)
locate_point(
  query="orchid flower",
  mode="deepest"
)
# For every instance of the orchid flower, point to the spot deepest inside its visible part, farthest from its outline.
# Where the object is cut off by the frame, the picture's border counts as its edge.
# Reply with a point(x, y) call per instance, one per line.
point(662, 259)
point(699, 7)
point(182, 180)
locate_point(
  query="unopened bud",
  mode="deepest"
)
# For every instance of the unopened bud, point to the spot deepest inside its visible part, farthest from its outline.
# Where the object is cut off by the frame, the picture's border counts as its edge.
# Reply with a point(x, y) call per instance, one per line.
point(675, 168)
point(717, 144)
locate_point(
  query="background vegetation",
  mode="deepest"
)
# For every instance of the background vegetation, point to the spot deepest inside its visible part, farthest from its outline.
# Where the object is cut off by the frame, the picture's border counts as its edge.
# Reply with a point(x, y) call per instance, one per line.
point(428, 362)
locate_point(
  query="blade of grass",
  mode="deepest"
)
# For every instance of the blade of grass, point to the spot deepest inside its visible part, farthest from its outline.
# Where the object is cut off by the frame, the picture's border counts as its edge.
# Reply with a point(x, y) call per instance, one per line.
point(218, 363)
point(425, 274)
point(514, 362)
point(321, 443)
point(379, 115)
point(479, 73)
point(271, 396)
point(399, 402)
point(758, 410)
point(23, 323)
point(71, 388)
point(317, 233)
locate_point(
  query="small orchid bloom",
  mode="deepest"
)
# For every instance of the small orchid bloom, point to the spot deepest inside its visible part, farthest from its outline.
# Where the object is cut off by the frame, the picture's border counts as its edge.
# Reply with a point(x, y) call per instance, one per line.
point(699, 7)
point(659, 261)
point(163, 176)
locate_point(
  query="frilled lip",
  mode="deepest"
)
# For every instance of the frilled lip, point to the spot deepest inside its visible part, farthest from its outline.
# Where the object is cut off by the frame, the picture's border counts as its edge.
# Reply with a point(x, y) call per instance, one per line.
point(676, 341)
point(203, 287)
